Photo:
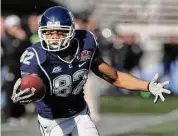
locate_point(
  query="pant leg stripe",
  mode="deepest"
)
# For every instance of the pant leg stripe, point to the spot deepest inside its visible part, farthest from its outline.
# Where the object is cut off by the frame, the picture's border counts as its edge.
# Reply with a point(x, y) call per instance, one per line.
point(41, 129)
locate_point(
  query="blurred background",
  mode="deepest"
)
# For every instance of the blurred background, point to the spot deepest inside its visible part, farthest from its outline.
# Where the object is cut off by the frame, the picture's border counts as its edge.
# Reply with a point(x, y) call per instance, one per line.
point(135, 36)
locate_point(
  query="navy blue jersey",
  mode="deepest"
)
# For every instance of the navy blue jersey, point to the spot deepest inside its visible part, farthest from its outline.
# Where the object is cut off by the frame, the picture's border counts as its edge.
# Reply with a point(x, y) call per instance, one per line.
point(64, 80)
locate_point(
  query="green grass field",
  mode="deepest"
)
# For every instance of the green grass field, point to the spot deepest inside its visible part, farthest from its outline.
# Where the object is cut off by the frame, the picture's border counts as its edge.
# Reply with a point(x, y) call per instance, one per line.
point(136, 104)
point(165, 129)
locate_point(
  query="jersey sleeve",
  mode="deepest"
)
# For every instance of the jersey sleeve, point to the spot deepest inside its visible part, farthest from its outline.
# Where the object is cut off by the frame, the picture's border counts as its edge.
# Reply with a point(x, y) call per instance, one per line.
point(95, 45)
point(31, 60)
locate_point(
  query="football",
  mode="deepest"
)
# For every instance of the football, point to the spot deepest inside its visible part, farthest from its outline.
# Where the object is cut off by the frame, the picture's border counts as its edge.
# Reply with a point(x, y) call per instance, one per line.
point(33, 81)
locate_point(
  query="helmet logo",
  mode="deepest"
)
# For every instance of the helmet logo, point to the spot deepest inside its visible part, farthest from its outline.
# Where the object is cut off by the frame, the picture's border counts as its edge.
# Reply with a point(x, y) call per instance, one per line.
point(71, 15)
point(53, 24)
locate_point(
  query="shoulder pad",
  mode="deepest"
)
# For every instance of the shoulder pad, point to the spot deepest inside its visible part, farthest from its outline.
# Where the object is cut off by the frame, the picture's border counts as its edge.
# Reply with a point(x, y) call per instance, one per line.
point(88, 38)
point(33, 55)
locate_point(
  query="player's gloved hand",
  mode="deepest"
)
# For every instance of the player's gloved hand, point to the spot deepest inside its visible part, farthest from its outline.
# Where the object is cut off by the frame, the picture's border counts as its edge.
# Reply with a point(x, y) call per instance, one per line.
point(19, 96)
point(157, 89)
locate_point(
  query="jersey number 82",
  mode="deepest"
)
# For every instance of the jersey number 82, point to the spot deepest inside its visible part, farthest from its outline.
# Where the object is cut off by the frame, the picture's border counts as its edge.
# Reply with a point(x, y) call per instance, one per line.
point(62, 85)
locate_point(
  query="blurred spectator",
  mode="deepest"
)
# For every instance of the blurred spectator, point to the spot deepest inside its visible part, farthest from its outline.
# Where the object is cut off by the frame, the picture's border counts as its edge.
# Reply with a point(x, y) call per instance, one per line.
point(33, 28)
point(125, 54)
point(104, 44)
point(134, 53)
point(118, 52)
point(2, 27)
point(13, 27)
point(92, 26)
point(132, 57)
point(3, 73)
point(80, 22)
point(13, 44)
point(3, 35)
point(171, 62)
point(170, 52)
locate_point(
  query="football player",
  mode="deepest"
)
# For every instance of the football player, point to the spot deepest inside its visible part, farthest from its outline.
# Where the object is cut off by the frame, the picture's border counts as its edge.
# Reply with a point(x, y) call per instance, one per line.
point(63, 60)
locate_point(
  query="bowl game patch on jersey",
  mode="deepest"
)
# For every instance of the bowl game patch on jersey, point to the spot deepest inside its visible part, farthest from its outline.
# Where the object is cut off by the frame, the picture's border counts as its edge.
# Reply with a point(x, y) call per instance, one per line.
point(85, 55)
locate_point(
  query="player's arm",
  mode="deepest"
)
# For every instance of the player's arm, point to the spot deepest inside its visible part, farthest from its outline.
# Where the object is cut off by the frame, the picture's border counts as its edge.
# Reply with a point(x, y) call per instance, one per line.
point(127, 81)
point(29, 65)
point(117, 78)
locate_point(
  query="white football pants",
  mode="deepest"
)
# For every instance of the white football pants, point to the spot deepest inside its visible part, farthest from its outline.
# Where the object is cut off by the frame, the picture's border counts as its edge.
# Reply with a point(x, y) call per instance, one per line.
point(79, 125)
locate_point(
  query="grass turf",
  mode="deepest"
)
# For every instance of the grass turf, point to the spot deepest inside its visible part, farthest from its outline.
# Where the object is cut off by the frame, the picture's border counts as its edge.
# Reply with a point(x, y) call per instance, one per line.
point(136, 104)
point(165, 129)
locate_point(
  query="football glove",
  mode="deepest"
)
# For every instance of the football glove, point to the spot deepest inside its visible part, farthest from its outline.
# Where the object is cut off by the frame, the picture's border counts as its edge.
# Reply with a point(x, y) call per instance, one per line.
point(21, 96)
point(157, 89)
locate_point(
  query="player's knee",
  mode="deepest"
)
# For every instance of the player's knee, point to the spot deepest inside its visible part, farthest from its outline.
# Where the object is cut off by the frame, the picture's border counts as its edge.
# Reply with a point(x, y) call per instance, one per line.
point(85, 127)
point(56, 131)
